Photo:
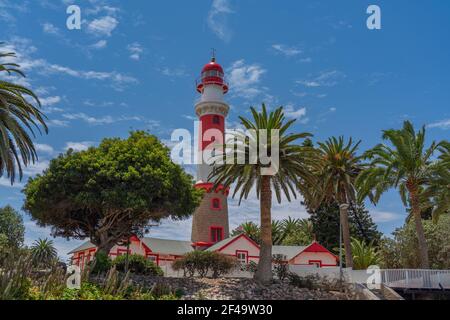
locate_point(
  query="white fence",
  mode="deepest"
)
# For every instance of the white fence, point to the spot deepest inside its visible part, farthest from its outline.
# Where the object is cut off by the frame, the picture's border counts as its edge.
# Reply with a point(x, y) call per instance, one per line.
point(401, 278)
point(416, 278)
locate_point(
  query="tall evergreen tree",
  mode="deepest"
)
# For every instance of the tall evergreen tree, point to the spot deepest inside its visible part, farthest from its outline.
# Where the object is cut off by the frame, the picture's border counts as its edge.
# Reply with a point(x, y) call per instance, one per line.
point(325, 220)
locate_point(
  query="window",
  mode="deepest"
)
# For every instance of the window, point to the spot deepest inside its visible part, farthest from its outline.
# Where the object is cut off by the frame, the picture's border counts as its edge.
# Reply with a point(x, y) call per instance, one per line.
point(152, 258)
point(216, 120)
point(316, 263)
point(216, 234)
point(215, 204)
point(121, 252)
point(242, 257)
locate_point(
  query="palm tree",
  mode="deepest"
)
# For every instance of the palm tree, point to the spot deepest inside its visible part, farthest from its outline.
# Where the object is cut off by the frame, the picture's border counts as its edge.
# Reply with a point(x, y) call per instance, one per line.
point(43, 252)
point(337, 177)
point(250, 229)
point(436, 196)
point(18, 119)
point(294, 167)
point(364, 255)
point(278, 232)
point(298, 232)
point(408, 166)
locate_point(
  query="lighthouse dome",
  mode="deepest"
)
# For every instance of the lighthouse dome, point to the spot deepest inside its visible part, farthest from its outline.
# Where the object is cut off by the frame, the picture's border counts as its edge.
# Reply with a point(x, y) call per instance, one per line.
point(212, 74)
point(212, 66)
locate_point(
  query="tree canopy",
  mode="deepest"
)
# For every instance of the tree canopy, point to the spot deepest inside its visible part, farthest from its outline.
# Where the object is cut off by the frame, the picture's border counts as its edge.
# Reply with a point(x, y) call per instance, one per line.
point(110, 192)
point(12, 229)
point(325, 220)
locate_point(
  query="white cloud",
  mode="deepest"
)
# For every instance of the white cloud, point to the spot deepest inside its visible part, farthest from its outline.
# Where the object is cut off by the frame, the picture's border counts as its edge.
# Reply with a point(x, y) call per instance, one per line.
point(135, 50)
point(45, 148)
point(324, 79)
point(99, 44)
point(24, 49)
point(244, 79)
point(385, 216)
point(6, 182)
point(79, 146)
point(286, 50)
point(50, 28)
point(107, 119)
point(291, 112)
point(50, 101)
point(443, 124)
point(218, 19)
point(57, 123)
point(174, 72)
point(36, 168)
point(103, 26)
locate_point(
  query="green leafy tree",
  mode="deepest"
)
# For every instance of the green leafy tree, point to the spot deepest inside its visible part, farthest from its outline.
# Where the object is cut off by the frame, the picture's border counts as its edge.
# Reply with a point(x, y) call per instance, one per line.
point(19, 119)
point(12, 229)
point(43, 253)
point(341, 165)
point(405, 164)
point(402, 250)
point(295, 162)
point(111, 192)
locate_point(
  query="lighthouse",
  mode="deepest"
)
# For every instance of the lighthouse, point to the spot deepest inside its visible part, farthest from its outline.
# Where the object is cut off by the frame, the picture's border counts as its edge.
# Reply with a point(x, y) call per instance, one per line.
point(210, 220)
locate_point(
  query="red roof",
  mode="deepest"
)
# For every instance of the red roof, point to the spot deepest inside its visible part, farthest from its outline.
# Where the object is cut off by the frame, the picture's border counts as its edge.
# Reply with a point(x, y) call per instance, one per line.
point(212, 66)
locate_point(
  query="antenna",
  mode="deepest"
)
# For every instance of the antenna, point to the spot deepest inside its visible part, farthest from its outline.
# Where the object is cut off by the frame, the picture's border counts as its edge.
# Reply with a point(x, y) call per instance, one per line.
point(213, 55)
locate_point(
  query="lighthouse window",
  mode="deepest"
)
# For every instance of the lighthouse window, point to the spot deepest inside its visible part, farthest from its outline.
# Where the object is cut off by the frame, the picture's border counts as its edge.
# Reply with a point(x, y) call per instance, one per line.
point(216, 234)
point(216, 120)
point(215, 204)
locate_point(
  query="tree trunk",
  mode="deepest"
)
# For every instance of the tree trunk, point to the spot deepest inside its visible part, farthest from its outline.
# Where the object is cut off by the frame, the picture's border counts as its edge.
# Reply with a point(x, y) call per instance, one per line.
point(343, 213)
point(423, 247)
point(104, 244)
point(264, 271)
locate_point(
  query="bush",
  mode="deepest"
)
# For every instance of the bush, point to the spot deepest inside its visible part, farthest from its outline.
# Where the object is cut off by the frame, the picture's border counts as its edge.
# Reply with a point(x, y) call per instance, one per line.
point(251, 267)
point(138, 264)
point(307, 282)
point(203, 262)
point(101, 264)
point(281, 267)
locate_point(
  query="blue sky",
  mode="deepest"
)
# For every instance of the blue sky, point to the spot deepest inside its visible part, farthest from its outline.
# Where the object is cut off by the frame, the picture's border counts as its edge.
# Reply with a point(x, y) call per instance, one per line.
point(133, 65)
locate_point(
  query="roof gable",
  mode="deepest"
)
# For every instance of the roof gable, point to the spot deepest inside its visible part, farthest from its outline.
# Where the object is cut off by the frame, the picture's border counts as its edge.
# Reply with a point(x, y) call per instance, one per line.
point(226, 242)
point(314, 247)
point(86, 245)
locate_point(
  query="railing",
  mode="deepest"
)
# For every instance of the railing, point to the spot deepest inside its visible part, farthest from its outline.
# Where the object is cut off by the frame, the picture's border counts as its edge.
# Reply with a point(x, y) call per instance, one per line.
point(416, 278)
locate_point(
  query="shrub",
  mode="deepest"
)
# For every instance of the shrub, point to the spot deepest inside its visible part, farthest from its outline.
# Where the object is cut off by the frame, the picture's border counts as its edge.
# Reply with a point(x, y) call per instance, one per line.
point(281, 267)
point(221, 264)
point(101, 264)
point(302, 282)
point(138, 264)
point(251, 267)
point(203, 262)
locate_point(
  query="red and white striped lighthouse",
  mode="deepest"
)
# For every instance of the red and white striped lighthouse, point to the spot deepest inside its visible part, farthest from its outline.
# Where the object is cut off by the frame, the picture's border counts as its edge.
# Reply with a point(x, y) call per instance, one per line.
point(210, 220)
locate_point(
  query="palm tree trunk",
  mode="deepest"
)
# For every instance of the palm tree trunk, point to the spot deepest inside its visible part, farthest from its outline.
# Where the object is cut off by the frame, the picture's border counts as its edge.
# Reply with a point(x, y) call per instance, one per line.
point(343, 213)
point(264, 271)
point(423, 247)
